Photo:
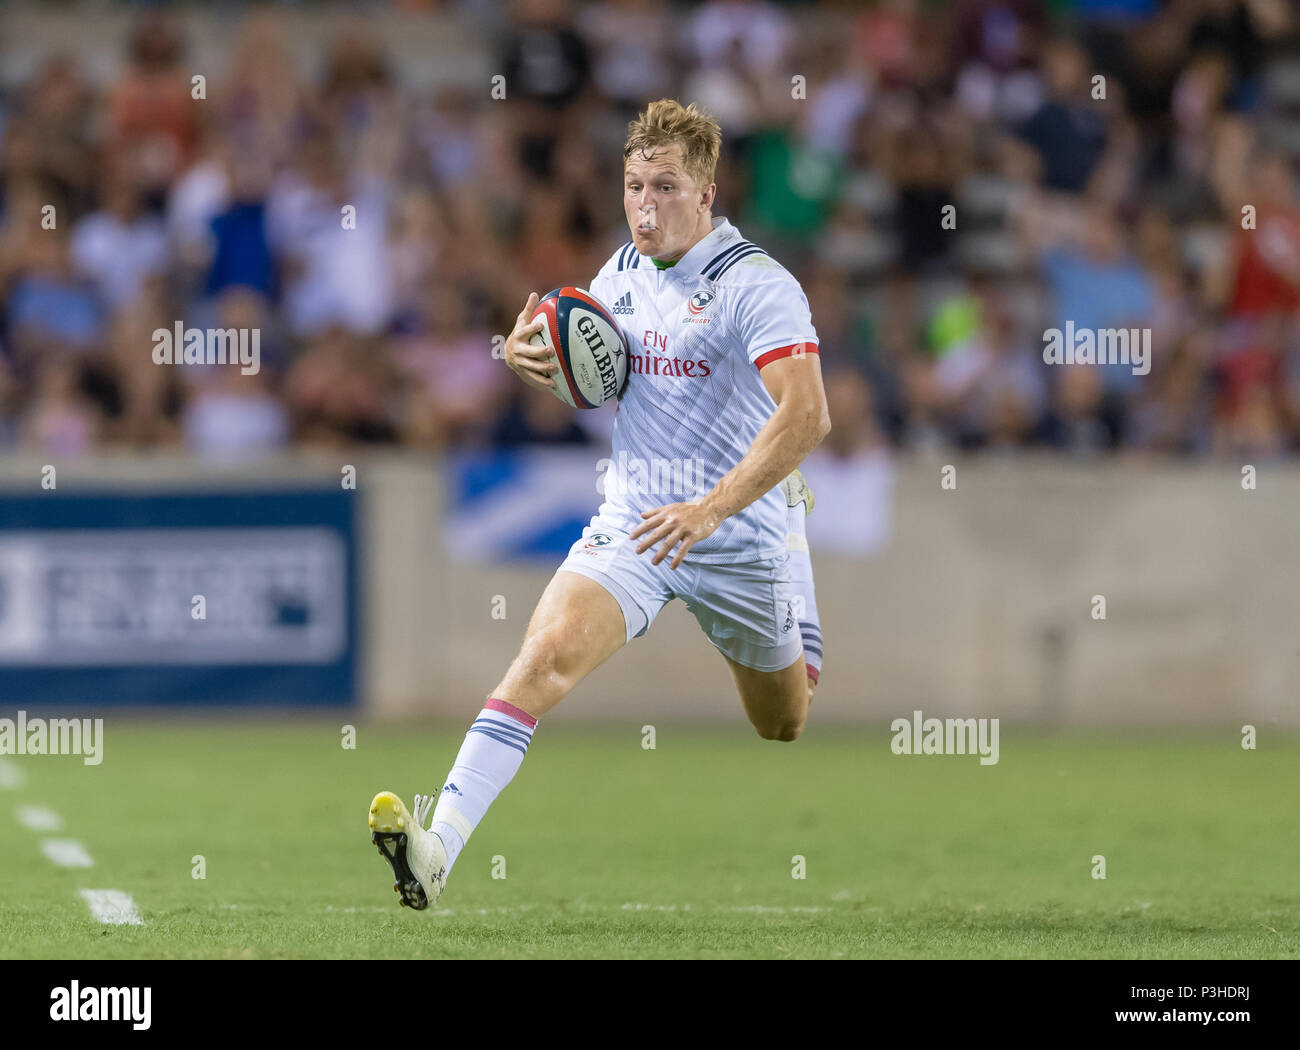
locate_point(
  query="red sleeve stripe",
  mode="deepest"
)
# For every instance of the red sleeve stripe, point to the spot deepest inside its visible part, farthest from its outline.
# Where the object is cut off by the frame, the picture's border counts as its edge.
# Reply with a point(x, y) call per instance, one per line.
point(784, 351)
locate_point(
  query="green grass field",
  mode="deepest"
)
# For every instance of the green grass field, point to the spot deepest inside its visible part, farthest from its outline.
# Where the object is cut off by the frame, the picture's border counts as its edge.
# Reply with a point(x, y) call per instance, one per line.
point(682, 851)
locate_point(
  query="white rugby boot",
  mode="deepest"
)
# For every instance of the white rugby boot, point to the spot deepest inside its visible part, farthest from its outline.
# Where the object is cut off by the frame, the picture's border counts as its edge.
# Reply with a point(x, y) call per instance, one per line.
point(417, 856)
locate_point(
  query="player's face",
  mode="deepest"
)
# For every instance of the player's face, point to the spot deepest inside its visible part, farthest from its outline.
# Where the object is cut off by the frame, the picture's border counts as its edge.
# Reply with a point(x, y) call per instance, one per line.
point(664, 205)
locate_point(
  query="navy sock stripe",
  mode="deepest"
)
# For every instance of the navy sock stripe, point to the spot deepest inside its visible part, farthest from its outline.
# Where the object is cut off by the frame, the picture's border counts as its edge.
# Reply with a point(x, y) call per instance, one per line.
point(514, 734)
point(505, 727)
point(500, 739)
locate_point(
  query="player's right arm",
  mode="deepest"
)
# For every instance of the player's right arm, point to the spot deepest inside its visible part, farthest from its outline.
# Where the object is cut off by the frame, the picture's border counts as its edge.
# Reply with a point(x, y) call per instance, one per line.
point(533, 364)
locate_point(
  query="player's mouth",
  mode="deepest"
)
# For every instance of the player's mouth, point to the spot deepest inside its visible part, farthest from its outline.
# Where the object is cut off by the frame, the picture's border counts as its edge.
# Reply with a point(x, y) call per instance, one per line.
point(647, 221)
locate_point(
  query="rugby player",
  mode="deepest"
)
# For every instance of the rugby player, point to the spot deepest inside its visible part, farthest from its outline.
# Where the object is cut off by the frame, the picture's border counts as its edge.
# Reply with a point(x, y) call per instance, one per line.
point(724, 376)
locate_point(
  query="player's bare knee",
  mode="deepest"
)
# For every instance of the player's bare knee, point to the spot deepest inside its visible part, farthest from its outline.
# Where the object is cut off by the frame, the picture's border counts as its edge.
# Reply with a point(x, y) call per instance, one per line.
point(530, 677)
point(785, 730)
point(549, 658)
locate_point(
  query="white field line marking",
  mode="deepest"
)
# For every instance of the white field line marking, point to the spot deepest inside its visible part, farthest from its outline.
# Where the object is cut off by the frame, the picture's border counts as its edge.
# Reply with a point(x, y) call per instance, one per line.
point(39, 818)
point(112, 907)
point(67, 853)
point(11, 777)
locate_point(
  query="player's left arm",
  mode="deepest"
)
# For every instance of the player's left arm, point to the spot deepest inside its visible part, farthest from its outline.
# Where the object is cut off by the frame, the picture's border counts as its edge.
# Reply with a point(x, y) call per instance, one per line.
point(797, 426)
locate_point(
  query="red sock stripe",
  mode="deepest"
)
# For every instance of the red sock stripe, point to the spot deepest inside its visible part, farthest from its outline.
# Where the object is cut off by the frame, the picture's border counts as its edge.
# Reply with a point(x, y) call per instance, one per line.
point(523, 717)
point(812, 672)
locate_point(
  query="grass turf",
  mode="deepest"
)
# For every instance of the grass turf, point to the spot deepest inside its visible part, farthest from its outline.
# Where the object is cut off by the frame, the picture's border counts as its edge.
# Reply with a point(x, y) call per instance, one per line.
point(687, 850)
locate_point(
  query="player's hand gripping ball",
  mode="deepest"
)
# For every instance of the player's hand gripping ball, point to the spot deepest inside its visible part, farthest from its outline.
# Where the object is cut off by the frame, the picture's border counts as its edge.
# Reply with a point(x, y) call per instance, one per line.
point(588, 346)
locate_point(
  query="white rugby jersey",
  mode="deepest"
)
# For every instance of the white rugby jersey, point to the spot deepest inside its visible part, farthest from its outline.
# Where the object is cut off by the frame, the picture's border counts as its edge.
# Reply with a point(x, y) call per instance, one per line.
point(699, 332)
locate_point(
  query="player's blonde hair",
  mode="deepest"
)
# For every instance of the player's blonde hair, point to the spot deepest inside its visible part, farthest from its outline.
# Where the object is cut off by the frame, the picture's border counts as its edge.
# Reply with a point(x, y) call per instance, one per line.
point(667, 121)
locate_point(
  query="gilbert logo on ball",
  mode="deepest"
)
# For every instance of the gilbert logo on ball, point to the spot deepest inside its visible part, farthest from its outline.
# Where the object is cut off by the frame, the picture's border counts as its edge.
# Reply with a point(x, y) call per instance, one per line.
point(588, 345)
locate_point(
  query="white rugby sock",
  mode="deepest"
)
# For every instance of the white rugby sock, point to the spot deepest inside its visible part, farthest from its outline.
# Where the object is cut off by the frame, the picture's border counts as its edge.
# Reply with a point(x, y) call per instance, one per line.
point(801, 579)
point(491, 755)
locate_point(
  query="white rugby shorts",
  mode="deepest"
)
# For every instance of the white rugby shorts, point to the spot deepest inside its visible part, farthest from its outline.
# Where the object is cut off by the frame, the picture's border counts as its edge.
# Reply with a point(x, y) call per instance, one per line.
point(745, 609)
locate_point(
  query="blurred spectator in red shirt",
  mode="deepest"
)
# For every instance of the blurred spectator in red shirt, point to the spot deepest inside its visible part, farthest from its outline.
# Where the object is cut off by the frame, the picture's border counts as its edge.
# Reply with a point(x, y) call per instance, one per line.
point(1268, 257)
point(152, 108)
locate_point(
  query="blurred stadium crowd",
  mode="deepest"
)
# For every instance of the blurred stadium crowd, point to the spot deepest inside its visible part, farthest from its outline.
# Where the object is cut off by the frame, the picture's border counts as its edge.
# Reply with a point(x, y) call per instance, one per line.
point(1122, 211)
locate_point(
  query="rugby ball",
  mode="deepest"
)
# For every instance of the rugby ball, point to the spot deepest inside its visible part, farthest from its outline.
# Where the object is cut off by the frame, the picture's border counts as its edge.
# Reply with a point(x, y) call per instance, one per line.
point(588, 345)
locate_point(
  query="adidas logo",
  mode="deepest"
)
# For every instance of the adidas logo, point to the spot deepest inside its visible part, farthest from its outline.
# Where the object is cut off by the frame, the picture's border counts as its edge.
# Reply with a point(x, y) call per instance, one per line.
point(789, 617)
point(624, 305)
point(453, 789)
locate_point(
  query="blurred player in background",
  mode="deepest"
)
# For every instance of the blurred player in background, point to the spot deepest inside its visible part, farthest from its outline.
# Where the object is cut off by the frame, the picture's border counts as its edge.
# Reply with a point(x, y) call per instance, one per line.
point(723, 402)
